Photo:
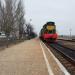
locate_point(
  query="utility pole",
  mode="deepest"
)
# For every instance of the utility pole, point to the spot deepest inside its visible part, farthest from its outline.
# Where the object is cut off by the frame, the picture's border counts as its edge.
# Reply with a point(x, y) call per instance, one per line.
point(30, 20)
point(70, 33)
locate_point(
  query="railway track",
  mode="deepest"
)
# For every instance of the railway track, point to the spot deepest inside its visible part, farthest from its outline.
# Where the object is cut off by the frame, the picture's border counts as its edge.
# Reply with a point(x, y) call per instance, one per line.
point(67, 52)
point(67, 40)
point(67, 44)
point(65, 55)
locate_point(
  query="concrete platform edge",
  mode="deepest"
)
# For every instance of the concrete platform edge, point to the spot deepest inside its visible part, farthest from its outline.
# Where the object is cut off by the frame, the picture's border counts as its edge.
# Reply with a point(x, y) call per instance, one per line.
point(63, 69)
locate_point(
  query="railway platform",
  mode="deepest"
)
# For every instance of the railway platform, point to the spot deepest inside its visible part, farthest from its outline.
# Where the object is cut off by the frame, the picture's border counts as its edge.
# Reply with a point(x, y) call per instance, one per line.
point(31, 57)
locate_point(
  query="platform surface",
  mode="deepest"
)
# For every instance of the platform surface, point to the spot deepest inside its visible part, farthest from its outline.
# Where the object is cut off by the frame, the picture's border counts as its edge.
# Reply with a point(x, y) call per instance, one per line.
point(23, 59)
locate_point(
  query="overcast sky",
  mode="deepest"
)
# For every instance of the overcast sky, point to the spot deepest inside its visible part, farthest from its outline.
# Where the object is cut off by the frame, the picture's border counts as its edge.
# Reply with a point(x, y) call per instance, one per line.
point(62, 12)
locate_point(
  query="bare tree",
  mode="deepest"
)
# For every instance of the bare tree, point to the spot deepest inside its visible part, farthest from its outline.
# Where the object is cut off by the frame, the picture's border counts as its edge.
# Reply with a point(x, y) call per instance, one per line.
point(12, 19)
point(9, 19)
point(20, 18)
point(30, 31)
point(2, 17)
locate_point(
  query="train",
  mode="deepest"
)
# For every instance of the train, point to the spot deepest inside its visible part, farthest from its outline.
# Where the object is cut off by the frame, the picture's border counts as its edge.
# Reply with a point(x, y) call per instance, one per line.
point(48, 32)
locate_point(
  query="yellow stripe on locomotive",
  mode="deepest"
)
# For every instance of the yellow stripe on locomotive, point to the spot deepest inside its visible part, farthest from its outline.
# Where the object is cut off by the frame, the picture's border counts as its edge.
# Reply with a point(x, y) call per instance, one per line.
point(50, 27)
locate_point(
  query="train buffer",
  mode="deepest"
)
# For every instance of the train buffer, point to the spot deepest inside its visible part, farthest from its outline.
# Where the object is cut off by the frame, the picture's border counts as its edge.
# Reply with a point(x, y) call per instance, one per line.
point(29, 58)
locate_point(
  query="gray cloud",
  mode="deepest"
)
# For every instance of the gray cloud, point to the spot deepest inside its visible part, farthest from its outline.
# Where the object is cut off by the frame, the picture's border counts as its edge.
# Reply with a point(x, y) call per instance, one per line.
point(60, 11)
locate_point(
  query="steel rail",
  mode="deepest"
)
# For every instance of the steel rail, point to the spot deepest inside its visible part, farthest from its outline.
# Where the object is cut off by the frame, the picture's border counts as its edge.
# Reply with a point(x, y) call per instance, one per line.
point(67, 40)
point(70, 54)
point(72, 49)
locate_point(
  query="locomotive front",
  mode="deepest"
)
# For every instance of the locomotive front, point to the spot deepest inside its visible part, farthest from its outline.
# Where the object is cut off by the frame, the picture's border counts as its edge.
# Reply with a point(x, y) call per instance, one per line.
point(48, 32)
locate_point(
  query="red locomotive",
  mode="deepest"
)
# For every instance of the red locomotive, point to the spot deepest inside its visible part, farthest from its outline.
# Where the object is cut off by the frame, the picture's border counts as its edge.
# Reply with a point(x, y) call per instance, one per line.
point(48, 32)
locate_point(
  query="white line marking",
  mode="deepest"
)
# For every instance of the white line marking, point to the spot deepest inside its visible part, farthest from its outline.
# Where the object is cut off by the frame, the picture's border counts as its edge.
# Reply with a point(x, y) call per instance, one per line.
point(46, 60)
point(58, 62)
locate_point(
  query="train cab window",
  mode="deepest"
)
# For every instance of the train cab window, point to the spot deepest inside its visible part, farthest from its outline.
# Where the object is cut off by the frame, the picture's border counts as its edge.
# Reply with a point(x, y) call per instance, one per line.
point(52, 31)
point(0, 33)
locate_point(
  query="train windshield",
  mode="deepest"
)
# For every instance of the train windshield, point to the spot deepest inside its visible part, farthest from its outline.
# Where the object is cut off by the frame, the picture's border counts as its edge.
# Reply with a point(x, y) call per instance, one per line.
point(52, 31)
point(50, 27)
